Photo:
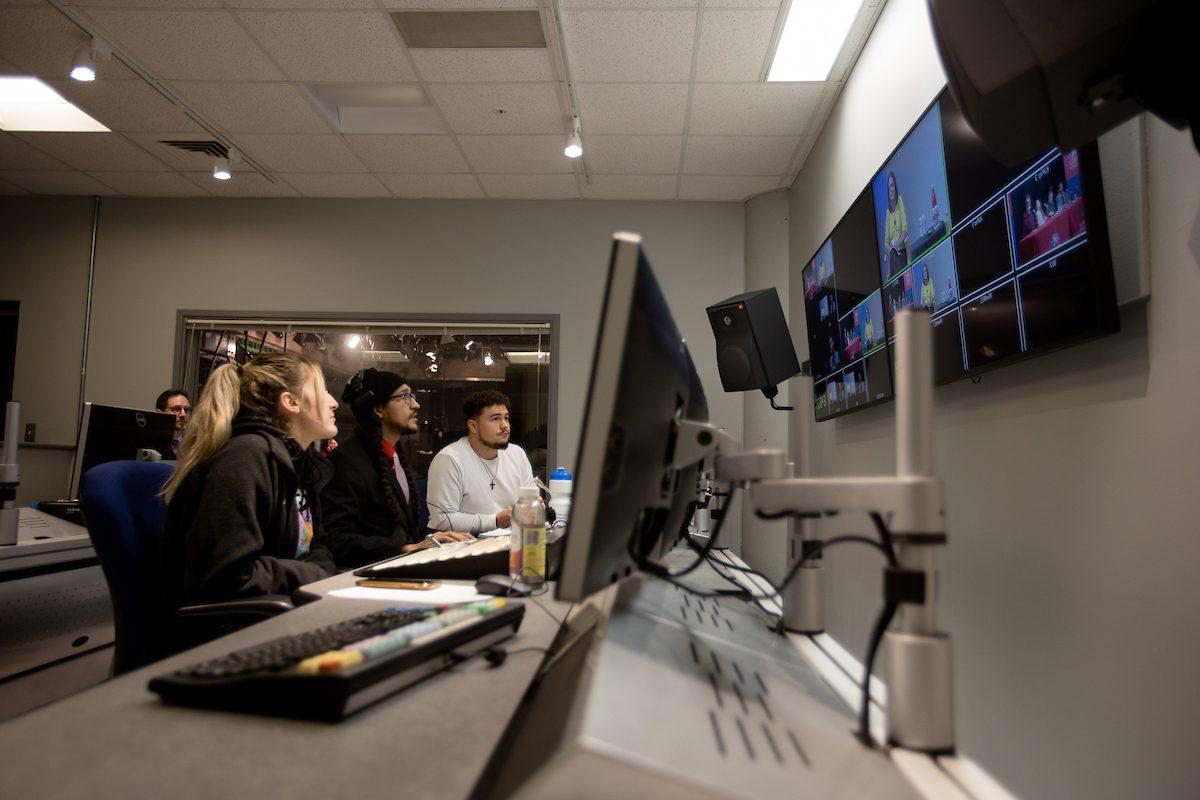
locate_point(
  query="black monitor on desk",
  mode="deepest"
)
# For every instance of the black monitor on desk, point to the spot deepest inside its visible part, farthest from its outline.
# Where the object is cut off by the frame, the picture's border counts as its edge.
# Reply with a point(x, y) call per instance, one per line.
point(627, 496)
point(109, 433)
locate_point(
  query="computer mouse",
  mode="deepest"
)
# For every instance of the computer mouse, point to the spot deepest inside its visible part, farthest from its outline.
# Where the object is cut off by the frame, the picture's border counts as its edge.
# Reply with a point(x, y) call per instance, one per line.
point(503, 585)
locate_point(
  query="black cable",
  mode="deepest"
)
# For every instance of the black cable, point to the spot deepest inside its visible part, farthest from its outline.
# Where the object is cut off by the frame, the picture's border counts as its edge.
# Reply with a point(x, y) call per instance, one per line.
point(663, 572)
point(885, 537)
point(864, 712)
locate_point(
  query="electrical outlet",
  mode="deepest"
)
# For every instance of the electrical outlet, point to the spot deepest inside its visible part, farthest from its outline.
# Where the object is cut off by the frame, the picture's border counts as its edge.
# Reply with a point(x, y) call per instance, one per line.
point(30, 432)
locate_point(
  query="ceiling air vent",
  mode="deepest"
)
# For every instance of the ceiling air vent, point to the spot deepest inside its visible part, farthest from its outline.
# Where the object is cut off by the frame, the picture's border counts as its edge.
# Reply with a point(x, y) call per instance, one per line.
point(204, 147)
point(444, 29)
point(191, 155)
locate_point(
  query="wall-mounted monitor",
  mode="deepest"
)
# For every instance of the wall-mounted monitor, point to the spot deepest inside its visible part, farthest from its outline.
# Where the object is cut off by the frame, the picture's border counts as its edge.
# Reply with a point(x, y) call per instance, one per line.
point(1009, 263)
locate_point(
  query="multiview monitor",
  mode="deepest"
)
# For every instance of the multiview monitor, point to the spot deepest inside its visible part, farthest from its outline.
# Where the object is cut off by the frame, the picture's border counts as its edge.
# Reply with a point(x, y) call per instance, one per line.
point(1009, 263)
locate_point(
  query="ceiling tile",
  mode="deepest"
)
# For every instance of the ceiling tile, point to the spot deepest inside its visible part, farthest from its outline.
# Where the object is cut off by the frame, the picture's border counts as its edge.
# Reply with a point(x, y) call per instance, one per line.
point(293, 4)
point(254, 107)
point(509, 154)
point(151, 184)
point(472, 4)
point(95, 152)
point(630, 187)
point(41, 41)
point(338, 185)
point(528, 107)
point(434, 186)
point(775, 4)
point(332, 47)
point(11, 188)
point(249, 184)
point(286, 152)
point(633, 155)
point(187, 45)
point(126, 105)
point(19, 155)
point(56, 182)
point(708, 187)
point(408, 154)
point(630, 45)
point(530, 187)
point(494, 64)
point(764, 109)
point(150, 3)
point(734, 44)
point(632, 108)
point(739, 155)
point(636, 4)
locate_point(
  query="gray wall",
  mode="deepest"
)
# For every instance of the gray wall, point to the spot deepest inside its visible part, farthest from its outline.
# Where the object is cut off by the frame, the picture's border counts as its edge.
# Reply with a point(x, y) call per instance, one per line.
point(1068, 580)
point(765, 543)
point(157, 256)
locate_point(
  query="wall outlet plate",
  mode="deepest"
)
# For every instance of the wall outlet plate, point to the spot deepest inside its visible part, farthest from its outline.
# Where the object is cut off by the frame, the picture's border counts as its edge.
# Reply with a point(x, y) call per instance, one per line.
point(30, 432)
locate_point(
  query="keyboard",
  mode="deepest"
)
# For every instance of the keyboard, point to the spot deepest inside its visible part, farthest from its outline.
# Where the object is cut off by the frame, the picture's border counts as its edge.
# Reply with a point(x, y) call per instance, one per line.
point(331, 672)
point(457, 560)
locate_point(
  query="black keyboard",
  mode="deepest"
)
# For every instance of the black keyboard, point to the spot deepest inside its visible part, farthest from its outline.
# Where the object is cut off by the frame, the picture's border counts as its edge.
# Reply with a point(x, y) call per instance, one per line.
point(459, 560)
point(331, 672)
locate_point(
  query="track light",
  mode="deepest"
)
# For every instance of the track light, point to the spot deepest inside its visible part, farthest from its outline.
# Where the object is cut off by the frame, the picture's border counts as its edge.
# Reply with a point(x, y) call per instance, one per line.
point(83, 66)
point(487, 359)
point(353, 341)
point(469, 343)
point(574, 148)
point(223, 166)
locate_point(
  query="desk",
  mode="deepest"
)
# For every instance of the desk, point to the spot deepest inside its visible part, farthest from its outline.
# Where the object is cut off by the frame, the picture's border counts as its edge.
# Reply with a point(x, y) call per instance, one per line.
point(118, 740)
point(1064, 225)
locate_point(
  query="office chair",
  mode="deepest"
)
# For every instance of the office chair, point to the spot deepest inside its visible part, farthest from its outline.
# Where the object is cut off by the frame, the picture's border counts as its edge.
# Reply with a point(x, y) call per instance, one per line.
point(124, 515)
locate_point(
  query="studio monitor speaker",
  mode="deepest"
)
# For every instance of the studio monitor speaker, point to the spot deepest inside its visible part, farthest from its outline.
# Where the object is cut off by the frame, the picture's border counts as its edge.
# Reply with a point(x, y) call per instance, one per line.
point(754, 347)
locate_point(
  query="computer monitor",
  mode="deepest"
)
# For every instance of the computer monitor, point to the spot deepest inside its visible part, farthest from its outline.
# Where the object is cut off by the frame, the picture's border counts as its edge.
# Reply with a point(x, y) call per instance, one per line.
point(626, 493)
point(109, 433)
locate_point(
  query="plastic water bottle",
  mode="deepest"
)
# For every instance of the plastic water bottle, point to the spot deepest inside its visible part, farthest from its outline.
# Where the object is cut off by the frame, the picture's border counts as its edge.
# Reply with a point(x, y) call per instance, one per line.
point(560, 494)
point(527, 550)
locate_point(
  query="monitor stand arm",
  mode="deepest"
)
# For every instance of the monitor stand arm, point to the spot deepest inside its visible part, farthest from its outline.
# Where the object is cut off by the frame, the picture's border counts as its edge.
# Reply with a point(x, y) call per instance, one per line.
point(919, 656)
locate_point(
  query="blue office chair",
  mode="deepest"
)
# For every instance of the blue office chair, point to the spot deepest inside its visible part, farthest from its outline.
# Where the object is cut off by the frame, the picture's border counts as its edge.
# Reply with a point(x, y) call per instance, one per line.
point(124, 514)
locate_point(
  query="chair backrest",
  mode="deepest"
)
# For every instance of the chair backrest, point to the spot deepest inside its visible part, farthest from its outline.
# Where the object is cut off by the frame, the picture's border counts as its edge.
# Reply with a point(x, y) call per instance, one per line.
point(124, 515)
point(422, 488)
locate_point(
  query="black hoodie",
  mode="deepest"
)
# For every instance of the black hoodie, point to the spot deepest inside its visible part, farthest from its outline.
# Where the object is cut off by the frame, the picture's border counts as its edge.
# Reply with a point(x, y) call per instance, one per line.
point(231, 527)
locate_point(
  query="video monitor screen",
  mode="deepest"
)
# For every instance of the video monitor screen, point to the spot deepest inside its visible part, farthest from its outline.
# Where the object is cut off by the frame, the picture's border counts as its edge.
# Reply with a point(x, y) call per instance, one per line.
point(1008, 262)
point(844, 311)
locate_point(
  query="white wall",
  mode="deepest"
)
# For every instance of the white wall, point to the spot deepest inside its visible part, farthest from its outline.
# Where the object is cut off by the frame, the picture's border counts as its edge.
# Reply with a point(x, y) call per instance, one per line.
point(1068, 580)
point(765, 543)
point(157, 256)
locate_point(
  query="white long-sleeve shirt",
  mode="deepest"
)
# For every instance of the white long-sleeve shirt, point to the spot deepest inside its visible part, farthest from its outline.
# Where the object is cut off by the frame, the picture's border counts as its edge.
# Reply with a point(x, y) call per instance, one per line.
point(460, 494)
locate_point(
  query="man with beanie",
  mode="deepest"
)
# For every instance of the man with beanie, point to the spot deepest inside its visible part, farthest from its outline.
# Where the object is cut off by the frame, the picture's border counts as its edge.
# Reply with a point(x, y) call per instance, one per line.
point(371, 509)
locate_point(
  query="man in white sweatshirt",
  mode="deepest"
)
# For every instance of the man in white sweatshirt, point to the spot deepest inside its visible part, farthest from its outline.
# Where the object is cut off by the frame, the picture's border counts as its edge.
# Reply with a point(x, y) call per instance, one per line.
point(473, 482)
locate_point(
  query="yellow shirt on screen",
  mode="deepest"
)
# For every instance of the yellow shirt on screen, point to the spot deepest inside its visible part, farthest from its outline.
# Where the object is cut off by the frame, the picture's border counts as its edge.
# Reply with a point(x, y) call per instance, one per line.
point(897, 223)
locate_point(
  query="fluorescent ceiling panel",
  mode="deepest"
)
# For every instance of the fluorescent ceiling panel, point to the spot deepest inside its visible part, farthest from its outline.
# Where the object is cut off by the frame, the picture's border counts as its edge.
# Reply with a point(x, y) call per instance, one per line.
point(813, 35)
point(27, 104)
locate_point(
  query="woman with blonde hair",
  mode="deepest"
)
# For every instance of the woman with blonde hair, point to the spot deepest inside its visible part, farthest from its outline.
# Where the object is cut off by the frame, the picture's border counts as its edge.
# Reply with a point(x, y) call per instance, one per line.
point(243, 513)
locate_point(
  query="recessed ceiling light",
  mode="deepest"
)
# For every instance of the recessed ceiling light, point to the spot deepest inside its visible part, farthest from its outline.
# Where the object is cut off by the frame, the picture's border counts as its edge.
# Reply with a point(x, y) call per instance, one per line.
point(812, 38)
point(27, 104)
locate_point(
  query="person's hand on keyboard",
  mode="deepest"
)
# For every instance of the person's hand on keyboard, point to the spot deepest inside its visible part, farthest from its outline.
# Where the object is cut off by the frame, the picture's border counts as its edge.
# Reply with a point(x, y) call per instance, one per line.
point(452, 536)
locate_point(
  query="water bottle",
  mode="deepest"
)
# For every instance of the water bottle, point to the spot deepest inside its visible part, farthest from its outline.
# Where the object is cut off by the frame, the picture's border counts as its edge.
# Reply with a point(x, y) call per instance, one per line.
point(560, 494)
point(527, 549)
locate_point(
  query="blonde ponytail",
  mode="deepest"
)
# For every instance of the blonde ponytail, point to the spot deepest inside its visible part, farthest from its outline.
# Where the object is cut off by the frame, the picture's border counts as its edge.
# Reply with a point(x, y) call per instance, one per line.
point(256, 387)
point(208, 429)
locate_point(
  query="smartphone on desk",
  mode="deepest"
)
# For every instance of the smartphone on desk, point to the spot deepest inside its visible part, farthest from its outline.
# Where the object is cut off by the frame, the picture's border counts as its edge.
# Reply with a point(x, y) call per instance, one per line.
point(417, 585)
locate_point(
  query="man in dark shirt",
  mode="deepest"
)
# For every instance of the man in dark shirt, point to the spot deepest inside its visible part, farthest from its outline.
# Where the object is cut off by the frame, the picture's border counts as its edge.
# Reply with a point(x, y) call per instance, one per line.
point(175, 401)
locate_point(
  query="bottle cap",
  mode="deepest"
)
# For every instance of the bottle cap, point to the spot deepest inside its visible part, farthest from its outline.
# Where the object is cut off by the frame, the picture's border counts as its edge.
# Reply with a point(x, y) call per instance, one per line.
point(528, 493)
point(560, 474)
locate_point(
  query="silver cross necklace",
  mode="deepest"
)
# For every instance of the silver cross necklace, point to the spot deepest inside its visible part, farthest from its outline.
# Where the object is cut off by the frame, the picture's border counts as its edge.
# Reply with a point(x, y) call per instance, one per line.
point(491, 474)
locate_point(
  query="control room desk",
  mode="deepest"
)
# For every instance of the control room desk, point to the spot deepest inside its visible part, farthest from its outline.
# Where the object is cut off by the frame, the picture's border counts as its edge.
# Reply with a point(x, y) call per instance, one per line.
point(430, 740)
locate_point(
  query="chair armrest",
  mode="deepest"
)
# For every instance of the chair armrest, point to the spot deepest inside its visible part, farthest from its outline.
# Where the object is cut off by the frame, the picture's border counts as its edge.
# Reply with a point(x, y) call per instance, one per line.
point(254, 608)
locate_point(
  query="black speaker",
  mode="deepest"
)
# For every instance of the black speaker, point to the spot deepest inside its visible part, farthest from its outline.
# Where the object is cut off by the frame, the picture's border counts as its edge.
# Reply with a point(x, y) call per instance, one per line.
point(754, 347)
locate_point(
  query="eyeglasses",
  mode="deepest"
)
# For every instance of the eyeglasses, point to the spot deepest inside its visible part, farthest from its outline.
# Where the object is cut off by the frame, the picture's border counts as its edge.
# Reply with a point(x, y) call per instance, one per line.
point(406, 397)
point(177, 410)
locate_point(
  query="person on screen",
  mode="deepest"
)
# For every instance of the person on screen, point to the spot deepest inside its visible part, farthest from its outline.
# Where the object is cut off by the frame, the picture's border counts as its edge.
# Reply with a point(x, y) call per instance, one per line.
point(895, 227)
point(473, 482)
point(928, 294)
point(1038, 213)
point(1051, 208)
point(175, 401)
point(869, 329)
point(1061, 200)
point(835, 357)
point(1030, 220)
point(371, 505)
point(243, 508)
